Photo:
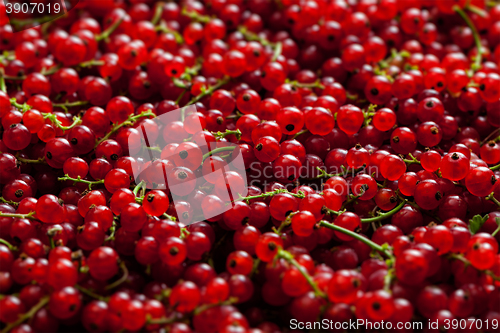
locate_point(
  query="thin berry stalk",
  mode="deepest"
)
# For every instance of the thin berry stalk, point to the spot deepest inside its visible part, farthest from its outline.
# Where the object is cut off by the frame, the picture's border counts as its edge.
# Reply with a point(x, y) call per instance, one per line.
point(43, 301)
point(80, 180)
point(357, 236)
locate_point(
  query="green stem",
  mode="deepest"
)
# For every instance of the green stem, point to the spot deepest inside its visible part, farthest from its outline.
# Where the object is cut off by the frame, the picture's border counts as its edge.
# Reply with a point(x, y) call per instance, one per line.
point(12, 203)
point(289, 258)
point(163, 28)
point(53, 118)
point(412, 161)
point(326, 210)
point(91, 63)
point(461, 258)
point(80, 180)
point(41, 160)
point(30, 314)
point(9, 245)
point(299, 195)
point(476, 10)
point(195, 16)
point(209, 91)
point(90, 293)
point(23, 107)
point(478, 60)
point(218, 150)
point(277, 51)
point(65, 106)
point(251, 36)
point(141, 185)
point(357, 236)
point(3, 87)
point(300, 133)
point(386, 215)
point(130, 121)
point(494, 233)
point(106, 33)
point(285, 223)
point(158, 12)
point(315, 84)
point(120, 280)
point(112, 234)
point(492, 198)
point(19, 216)
point(496, 167)
point(219, 135)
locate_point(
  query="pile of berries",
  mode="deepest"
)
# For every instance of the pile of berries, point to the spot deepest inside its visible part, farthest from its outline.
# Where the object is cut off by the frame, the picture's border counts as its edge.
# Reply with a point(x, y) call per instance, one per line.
point(237, 166)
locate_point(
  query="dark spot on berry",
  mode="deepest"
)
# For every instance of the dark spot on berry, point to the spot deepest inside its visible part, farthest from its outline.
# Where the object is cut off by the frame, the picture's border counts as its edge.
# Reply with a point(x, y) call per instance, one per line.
point(13, 125)
point(185, 215)
point(455, 156)
point(395, 139)
point(376, 306)
point(440, 84)
point(491, 143)
point(114, 157)
point(48, 155)
point(256, 53)
point(493, 180)
point(290, 127)
point(182, 175)
point(19, 193)
point(183, 154)
point(173, 71)
point(245, 220)
point(246, 97)
point(263, 74)
point(482, 87)
point(291, 21)
point(232, 263)
point(434, 130)
point(393, 199)
point(429, 104)
point(174, 250)
point(72, 307)
point(133, 53)
point(271, 246)
point(476, 246)
point(220, 120)
point(355, 283)
point(438, 196)
point(416, 20)
point(291, 177)
point(331, 38)
point(374, 91)
point(150, 197)
point(147, 84)
point(259, 147)
point(357, 146)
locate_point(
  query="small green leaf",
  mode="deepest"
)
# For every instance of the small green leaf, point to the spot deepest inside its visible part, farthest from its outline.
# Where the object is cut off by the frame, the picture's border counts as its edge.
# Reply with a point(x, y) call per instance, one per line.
point(477, 222)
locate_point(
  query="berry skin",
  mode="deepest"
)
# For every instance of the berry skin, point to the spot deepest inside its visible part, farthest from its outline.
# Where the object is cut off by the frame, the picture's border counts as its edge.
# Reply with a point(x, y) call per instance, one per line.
point(303, 223)
point(454, 166)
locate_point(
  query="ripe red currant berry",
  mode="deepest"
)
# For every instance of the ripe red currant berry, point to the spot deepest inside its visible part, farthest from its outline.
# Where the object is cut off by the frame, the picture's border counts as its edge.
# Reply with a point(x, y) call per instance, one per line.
point(103, 263)
point(267, 246)
point(303, 223)
point(428, 194)
point(454, 166)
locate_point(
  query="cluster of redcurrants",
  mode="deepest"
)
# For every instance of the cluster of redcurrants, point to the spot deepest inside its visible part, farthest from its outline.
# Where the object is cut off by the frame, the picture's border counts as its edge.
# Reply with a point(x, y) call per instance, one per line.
point(228, 165)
